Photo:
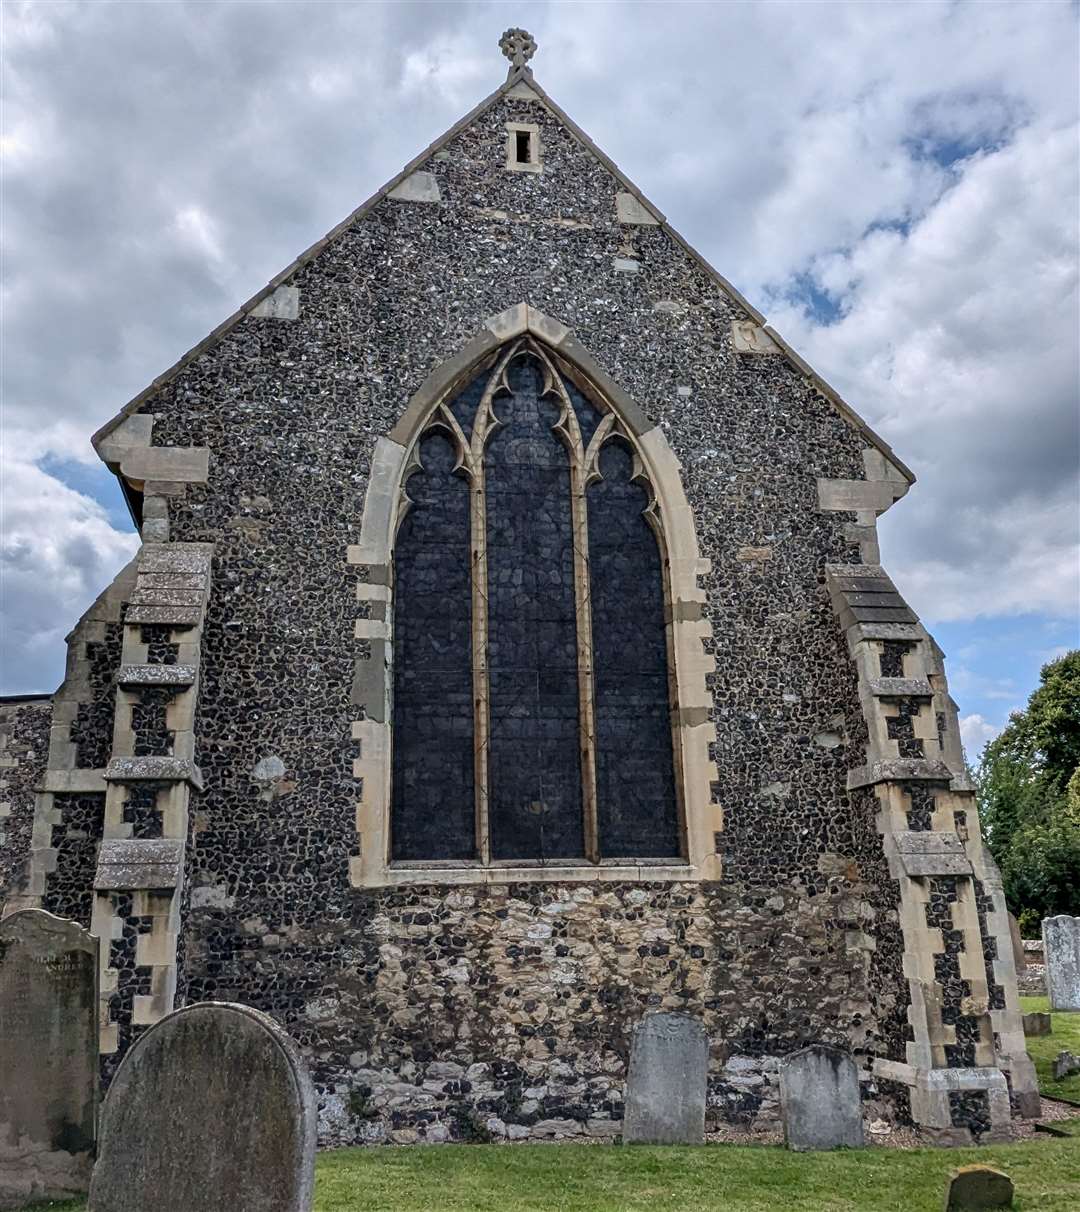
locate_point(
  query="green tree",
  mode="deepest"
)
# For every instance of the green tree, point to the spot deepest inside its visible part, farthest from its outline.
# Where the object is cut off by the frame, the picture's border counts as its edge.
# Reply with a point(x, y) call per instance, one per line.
point(1029, 795)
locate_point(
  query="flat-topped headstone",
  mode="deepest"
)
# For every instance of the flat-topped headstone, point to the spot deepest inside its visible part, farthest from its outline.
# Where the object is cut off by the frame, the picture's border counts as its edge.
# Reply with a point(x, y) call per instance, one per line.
point(1061, 955)
point(665, 1086)
point(48, 1057)
point(973, 1187)
point(819, 1099)
point(212, 1110)
point(1037, 1023)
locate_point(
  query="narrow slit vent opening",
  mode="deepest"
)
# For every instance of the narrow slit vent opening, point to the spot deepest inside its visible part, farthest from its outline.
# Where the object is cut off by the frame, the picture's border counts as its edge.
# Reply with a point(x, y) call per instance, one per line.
point(522, 142)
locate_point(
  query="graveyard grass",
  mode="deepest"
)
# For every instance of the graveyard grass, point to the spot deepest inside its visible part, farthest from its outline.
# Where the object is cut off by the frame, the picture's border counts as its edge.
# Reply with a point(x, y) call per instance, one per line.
point(1042, 1049)
point(635, 1178)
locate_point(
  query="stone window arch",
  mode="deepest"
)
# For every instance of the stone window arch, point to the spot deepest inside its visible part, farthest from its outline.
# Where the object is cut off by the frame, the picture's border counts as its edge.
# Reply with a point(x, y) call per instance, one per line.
point(532, 671)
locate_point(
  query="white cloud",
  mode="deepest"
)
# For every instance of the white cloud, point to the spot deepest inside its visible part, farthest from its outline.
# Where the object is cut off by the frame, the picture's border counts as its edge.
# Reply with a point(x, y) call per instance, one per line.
point(915, 162)
point(976, 733)
point(58, 552)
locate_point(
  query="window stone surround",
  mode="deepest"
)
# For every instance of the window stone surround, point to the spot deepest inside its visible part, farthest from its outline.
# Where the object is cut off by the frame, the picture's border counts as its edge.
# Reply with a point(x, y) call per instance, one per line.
point(695, 772)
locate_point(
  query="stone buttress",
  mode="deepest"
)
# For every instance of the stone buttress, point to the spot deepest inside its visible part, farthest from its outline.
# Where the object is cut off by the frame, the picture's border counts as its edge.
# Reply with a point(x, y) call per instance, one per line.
point(965, 1054)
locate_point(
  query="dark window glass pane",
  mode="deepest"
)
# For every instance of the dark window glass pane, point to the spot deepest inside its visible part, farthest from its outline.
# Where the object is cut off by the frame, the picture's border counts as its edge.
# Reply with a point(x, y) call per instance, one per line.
point(588, 417)
point(433, 811)
point(635, 775)
point(535, 773)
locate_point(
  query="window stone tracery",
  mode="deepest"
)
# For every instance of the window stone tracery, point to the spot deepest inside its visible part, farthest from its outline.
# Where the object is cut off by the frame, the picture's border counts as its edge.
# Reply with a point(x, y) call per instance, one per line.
point(512, 472)
point(581, 553)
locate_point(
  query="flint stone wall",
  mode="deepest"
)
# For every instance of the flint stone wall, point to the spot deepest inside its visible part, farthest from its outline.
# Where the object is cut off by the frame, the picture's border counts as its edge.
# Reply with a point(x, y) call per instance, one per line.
point(433, 1011)
point(24, 754)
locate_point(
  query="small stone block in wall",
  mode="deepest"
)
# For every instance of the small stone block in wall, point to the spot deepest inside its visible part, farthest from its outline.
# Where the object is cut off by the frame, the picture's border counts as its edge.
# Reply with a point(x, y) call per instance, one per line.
point(751, 338)
point(973, 1187)
point(212, 1109)
point(1037, 1024)
point(931, 852)
point(417, 187)
point(48, 1057)
point(665, 1087)
point(281, 304)
point(1061, 954)
point(819, 1099)
point(631, 210)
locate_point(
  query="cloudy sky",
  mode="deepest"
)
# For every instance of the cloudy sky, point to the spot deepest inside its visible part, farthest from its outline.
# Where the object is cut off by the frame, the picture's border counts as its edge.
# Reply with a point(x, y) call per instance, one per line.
point(894, 185)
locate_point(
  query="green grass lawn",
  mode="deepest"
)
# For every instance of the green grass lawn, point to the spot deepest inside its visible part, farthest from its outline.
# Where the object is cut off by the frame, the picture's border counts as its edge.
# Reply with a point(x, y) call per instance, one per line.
point(731, 1178)
point(1043, 1048)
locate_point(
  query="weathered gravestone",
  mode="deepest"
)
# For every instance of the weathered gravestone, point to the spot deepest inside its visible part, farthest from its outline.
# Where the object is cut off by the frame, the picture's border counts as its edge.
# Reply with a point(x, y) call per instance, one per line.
point(665, 1087)
point(1038, 1022)
point(973, 1187)
point(819, 1099)
point(48, 1057)
point(1061, 954)
point(212, 1110)
point(1064, 1065)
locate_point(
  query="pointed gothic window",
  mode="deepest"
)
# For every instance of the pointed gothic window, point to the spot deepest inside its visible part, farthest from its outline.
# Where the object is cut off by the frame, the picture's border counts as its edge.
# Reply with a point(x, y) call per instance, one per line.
point(532, 715)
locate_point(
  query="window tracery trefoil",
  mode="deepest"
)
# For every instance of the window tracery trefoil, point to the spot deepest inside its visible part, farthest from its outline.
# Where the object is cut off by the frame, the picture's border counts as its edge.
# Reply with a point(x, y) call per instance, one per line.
point(532, 662)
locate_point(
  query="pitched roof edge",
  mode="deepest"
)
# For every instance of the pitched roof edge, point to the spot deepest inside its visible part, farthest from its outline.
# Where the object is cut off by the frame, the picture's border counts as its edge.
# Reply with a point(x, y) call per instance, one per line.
point(796, 359)
point(309, 254)
point(516, 75)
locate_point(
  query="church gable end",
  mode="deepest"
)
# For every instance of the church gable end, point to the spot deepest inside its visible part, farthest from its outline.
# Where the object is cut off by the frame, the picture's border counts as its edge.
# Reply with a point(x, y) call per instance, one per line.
point(518, 702)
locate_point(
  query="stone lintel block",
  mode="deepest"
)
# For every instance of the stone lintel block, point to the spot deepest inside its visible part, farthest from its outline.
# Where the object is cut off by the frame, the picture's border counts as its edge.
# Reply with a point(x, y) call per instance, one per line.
point(626, 265)
point(165, 769)
point(929, 852)
point(629, 209)
point(895, 1071)
point(857, 633)
point(165, 488)
point(751, 338)
point(71, 782)
point(417, 187)
point(173, 616)
point(853, 496)
point(167, 597)
point(171, 580)
point(280, 304)
point(876, 614)
point(898, 769)
point(176, 557)
point(837, 572)
point(900, 688)
point(127, 864)
point(156, 675)
point(191, 464)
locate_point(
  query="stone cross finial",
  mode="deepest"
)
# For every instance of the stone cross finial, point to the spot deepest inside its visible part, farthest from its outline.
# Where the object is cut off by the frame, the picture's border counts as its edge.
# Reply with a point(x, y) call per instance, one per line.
point(518, 45)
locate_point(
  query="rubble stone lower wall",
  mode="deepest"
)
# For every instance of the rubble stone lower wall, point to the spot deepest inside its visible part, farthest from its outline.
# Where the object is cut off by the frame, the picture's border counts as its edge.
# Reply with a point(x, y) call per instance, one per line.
point(507, 1011)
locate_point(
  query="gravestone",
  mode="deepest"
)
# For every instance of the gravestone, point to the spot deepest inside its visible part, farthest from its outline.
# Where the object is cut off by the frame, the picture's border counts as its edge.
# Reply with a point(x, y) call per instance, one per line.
point(973, 1187)
point(211, 1110)
point(48, 1057)
point(1061, 954)
point(665, 1086)
point(1064, 1065)
point(1037, 1023)
point(819, 1099)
